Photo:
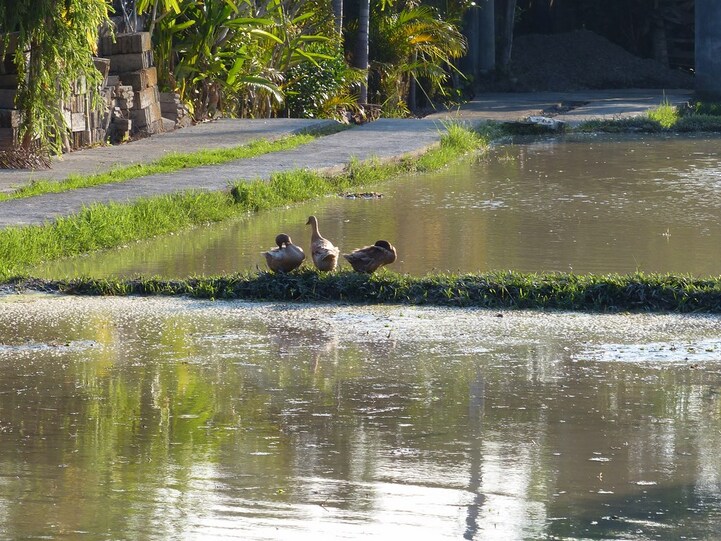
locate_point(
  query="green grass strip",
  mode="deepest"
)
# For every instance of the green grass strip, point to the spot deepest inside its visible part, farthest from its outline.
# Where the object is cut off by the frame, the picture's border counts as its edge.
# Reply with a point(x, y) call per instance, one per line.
point(169, 163)
point(106, 226)
point(495, 290)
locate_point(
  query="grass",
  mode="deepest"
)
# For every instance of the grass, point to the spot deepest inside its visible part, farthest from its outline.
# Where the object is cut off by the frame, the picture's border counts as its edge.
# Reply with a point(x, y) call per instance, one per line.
point(700, 117)
point(166, 164)
point(106, 226)
point(495, 290)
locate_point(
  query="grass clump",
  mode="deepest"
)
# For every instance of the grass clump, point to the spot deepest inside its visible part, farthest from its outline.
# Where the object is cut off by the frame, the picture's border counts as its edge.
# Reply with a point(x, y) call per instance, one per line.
point(712, 108)
point(495, 290)
point(662, 119)
point(106, 226)
point(666, 115)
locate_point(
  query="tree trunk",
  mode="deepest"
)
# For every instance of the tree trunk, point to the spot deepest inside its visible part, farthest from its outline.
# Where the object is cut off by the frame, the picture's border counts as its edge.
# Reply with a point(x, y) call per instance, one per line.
point(658, 36)
point(504, 61)
point(487, 37)
point(338, 15)
point(362, 47)
point(412, 98)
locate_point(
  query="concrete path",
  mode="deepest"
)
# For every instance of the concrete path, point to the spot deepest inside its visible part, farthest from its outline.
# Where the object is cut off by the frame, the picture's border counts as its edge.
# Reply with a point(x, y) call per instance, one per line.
point(223, 133)
point(383, 139)
point(584, 105)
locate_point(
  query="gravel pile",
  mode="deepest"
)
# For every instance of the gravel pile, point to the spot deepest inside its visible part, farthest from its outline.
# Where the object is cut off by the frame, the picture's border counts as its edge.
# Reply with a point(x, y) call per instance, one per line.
point(584, 60)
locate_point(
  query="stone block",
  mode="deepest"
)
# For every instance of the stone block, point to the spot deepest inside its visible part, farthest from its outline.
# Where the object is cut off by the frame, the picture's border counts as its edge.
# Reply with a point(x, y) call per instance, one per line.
point(143, 118)
point(123, 63)
point(141, 79)
point(102, 65)
point(123, 124)
point(138, 42)
point(9, 81)
point(168, 124)
point(8, 137)
point(125, 104)
point(77, 122)
point(169, 97)
point(143, 99)
point(7, 98)
point(171, 109)
point(9, 118)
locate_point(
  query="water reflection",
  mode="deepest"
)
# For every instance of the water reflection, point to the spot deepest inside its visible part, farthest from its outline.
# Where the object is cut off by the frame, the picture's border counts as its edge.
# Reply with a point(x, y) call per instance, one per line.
point(589, 204)
point(175, 419)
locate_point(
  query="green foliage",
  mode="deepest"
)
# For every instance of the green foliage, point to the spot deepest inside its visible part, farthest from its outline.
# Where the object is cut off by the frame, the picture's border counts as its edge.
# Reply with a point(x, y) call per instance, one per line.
point(228, 56)
point(60, 39)
point(637, 124)
point(495, 290)
point(413, 44)
point(666, 115)
point(323, 87)
point(707, 108)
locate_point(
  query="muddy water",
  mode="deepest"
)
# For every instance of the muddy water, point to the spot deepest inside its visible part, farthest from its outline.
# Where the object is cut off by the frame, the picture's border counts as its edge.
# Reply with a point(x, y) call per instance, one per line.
point(590, 204)
point(178, 419)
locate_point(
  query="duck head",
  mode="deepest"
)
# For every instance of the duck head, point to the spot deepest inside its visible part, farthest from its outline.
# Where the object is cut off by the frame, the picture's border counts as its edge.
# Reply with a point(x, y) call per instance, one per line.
point(282, 240)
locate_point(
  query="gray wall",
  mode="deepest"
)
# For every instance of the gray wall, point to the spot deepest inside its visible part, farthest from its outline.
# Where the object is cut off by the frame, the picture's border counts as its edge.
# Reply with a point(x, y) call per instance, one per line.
point(708, 49)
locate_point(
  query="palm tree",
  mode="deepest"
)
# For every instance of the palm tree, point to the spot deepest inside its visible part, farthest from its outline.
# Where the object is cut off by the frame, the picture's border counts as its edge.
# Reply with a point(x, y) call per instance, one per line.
point(409, 46)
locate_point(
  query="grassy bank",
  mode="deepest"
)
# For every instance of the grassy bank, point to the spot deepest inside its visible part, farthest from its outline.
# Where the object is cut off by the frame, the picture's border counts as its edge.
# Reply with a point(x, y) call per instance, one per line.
point(106, 226)
point(497, 290)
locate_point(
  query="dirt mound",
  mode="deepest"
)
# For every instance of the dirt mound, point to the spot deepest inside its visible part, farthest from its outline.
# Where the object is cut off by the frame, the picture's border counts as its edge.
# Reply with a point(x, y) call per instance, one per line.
point(584, 60)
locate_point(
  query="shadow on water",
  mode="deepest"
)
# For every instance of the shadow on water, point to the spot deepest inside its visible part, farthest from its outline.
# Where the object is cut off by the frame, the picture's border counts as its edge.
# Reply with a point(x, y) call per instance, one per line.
point(652, 512)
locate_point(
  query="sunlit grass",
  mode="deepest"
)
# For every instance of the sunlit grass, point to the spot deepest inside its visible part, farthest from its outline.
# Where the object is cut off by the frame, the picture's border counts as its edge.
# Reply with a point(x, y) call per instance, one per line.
point(666, 114)
point(106, 226)
point(662, 119)
point(494, 290)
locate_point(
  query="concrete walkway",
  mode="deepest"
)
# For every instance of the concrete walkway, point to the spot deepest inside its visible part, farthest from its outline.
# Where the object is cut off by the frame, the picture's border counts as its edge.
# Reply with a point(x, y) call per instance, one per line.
point(225, 133)
point(581, 105)
point(383, 139)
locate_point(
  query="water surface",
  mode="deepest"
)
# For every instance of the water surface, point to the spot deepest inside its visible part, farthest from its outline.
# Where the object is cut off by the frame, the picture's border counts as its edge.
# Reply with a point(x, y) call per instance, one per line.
point(179, 419)
point(588, 204)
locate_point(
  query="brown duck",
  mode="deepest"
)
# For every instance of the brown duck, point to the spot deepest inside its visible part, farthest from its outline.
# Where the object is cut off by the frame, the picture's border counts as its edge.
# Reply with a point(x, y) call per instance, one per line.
point(324, 254)
point(368, 259)
point(286, 257)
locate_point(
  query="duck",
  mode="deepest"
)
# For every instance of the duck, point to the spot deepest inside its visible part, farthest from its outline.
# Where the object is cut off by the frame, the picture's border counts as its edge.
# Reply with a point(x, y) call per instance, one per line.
point(286, 257)
point(324, 254)
point(369, 258)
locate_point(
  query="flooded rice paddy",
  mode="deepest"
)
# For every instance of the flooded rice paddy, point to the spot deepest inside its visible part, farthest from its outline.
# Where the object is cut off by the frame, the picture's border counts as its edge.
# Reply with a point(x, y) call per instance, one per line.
point(147, 418)
point(590, 204)
point(179, 419)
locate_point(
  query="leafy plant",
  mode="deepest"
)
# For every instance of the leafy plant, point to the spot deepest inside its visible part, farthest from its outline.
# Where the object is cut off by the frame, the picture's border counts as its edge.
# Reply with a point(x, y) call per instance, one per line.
point(321, 88)
point(52, 46)
point(666, 114)
point(412, 45)
point(223, 55)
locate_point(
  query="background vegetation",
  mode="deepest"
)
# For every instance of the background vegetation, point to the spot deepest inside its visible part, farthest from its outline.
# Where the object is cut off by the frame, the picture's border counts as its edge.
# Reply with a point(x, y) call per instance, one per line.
point(313, 58)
